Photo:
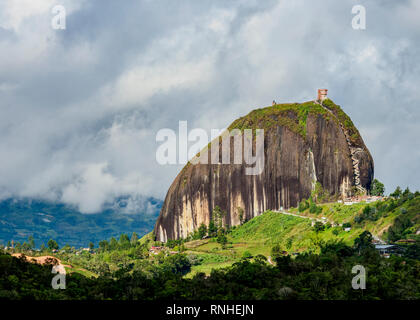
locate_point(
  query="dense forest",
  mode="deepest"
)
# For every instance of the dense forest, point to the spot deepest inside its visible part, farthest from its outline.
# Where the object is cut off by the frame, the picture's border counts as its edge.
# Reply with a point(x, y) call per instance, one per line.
point(327, 275)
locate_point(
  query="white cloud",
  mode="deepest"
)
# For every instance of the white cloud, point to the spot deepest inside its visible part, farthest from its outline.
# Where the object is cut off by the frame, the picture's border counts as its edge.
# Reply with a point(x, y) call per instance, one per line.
point(92, 189)
point(139, 84)
point(80, 108)
point(13, 13)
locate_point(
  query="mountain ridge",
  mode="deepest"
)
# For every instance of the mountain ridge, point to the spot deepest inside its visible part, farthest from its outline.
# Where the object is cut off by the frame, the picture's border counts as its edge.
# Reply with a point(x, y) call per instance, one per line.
point(44, 220)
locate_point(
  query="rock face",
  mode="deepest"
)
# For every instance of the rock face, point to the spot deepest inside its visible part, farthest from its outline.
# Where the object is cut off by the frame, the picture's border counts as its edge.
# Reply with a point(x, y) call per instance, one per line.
point(303, 144)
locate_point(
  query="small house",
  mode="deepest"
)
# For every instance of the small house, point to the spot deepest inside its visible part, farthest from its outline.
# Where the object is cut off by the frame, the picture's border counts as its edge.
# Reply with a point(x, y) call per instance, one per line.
point(155, 249)
point(386, 250)
point(322, 94)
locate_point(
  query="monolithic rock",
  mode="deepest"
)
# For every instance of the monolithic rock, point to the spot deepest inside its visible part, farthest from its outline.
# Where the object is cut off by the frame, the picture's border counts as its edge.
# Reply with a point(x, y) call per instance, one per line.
point(304, 144)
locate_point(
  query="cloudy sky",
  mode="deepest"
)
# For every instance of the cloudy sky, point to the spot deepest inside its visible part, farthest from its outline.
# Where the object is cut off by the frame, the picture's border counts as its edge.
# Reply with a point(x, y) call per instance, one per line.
point(80, 107)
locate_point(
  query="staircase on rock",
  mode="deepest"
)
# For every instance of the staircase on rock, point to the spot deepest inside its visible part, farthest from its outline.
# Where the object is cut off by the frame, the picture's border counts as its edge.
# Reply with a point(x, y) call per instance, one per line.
point(353, 152)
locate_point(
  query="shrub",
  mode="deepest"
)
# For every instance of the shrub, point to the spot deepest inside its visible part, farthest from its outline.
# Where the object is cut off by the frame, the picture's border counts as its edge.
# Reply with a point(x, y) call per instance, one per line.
point(319, 226)
point(346, 225)
point(194, 259)
point(247, 255)
point(303, 205)
point(378, 188)
point(221, 238)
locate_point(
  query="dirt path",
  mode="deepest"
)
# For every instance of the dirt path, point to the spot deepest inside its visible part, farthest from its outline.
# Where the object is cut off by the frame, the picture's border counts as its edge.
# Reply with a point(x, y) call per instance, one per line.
point(45, 260)
point(296, 215)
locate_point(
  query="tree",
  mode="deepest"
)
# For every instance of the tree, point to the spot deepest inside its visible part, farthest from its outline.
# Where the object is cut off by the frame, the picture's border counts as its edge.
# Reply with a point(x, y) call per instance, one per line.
point(337, 248)
point(363, 242)
point(241, 215)
point(276, 251)
point(202, 231)
point(319, 226)
point(52, 245)
point(177, 264)
point(113, 244)
point(91, 246)
point(247, 255)
point(31, 242)
point(413, 251)
point(134, 239)
point(103, 269)
point(303, 205)
point(141, 251)
point(221, 239)
point(400, 225)
point(407, 194)
point(378, 188)
point(261, 259)
point(318, 194)
point(212, 229)
point(218, 216)
point(313, 208)
point(25, 246)
point(397, 193)
point(18, 246)
point(124, 241)
point(103, 245)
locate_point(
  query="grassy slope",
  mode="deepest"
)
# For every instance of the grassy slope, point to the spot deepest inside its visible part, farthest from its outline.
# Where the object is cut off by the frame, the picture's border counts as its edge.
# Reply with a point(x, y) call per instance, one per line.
point(258, 236)
point(339, 213)
point(260, 233)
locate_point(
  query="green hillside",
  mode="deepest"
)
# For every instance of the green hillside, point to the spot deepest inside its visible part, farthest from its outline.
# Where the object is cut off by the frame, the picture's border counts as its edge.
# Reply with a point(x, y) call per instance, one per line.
point(298, 230)
point(304, 253)
point(388, 220)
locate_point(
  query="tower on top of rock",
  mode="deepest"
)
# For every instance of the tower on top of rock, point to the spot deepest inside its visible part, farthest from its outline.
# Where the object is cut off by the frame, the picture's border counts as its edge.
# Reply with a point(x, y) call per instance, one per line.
point(322, 94)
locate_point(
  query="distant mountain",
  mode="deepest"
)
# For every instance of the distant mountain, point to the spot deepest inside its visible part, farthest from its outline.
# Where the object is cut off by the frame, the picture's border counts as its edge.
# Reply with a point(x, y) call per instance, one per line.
point(20, 218)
